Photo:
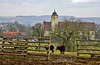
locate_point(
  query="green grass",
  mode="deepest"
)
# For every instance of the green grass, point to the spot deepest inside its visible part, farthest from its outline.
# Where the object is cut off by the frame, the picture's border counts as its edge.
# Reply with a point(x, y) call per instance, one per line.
point(66, 53)
point(84, 55)
point(56, 53)
point(37, 52)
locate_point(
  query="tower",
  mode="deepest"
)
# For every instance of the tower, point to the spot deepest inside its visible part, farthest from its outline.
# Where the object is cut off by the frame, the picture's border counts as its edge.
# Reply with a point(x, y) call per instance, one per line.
point(54, 20)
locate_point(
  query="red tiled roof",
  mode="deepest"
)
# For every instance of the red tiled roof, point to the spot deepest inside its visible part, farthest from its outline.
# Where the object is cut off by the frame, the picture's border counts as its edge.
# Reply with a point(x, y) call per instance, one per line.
point(89, 25)
point(47, 26)
point(15, 34)
point(10, 33)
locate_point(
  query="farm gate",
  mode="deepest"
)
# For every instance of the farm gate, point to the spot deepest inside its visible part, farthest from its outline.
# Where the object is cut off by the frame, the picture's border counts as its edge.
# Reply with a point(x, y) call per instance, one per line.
point(23, 46)
point(38, 47)
point(88, 48)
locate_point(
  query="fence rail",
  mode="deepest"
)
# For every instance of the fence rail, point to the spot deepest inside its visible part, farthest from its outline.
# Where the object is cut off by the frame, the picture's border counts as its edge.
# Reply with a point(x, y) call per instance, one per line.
point(91, 47)
point(13, 48)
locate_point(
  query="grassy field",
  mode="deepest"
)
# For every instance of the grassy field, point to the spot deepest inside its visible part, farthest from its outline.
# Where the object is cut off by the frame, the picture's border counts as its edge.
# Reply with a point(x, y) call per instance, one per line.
point(66, 53)
point(56, 53)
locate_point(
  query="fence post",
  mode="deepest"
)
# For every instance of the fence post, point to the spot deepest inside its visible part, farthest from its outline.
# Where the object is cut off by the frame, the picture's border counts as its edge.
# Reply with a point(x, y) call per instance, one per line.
point(26, 45)
point(16, 51)
point(39, 46)
point(3, 42)
point(77, 48)
point(48, 58)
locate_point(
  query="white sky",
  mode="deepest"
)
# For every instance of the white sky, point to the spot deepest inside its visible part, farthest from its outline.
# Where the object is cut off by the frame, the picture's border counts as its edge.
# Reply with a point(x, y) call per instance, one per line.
point(78, 8)
point(85, 0)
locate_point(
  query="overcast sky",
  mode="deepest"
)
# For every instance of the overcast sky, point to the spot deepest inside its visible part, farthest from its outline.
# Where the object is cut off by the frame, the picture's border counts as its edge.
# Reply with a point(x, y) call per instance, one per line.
point(77, 8)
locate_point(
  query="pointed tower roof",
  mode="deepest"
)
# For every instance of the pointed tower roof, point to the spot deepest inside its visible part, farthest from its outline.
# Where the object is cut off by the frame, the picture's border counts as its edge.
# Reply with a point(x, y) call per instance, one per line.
point(54, 13)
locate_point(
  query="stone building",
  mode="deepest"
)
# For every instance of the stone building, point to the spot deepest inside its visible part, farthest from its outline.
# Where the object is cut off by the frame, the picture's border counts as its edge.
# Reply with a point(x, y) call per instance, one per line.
point(50, 26)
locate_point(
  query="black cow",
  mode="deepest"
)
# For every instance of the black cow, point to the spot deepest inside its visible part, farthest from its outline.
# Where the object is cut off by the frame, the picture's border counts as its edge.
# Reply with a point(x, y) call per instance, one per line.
point(61, 48)
point(51, 48)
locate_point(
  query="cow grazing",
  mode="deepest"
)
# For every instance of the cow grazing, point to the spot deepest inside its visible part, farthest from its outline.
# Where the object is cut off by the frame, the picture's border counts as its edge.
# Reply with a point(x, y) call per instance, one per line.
point(51, 48)
point(61, 48)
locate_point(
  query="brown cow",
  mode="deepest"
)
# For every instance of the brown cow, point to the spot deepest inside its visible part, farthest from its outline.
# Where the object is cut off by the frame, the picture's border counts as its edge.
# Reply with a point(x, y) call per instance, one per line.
point(61, 48)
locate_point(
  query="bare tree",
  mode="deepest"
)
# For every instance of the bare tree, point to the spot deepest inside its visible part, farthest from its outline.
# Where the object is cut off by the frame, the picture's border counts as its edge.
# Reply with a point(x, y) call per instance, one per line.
point(38, 30)
point(68, 31)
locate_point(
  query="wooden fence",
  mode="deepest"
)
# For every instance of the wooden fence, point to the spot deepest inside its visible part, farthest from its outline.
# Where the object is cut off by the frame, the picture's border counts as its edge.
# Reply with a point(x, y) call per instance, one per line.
point(88, 48)
point(20, 46)
point(15, 47)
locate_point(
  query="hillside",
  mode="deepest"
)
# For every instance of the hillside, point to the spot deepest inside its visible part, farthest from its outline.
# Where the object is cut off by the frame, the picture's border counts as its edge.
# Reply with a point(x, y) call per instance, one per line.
point(32, 20)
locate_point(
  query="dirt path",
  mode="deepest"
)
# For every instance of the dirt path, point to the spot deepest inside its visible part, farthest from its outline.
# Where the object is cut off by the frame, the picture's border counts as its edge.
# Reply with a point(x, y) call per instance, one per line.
point(55, 60)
